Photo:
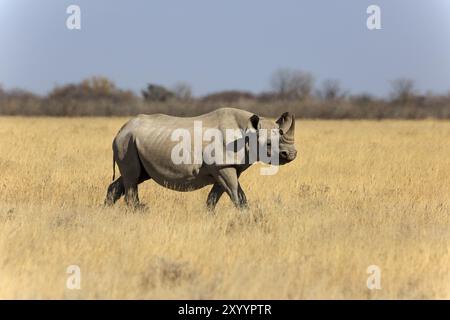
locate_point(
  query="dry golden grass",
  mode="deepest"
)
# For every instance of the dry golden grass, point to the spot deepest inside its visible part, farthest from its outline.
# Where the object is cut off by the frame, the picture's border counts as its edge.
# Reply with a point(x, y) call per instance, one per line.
point(360, 193)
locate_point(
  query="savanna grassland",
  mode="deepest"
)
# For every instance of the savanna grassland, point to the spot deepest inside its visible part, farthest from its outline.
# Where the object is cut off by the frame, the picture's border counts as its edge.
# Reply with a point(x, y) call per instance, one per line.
point(360, 193)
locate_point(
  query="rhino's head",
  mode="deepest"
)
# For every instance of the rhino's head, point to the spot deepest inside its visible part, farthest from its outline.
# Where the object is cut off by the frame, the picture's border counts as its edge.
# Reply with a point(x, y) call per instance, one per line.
point(285, 127)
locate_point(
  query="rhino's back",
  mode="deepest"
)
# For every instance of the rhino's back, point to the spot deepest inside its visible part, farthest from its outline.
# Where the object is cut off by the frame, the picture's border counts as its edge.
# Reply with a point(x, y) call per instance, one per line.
point(223, 117)
point(155, 130)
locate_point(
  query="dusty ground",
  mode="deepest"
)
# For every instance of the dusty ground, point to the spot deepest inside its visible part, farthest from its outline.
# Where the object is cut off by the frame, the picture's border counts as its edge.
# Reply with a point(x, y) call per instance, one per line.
point(361, 193)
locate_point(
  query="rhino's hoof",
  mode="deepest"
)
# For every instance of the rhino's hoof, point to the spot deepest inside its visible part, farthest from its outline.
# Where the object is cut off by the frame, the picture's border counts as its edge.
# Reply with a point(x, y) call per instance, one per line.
point(140, 207)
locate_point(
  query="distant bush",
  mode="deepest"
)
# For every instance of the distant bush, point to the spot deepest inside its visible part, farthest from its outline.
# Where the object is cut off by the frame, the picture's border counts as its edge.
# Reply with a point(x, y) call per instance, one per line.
point(292, 84)
point(98, 96)
point(403, 90)
point(157, 93)
point(267, 96)
point(331, 91)
point(93, 96)
point(231, 96)
point(182, 91)
point(19, 102)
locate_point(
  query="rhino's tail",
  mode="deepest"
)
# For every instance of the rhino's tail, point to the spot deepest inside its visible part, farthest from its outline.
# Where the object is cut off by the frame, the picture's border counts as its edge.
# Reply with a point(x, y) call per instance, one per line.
point(114, 167)
point(114, 160)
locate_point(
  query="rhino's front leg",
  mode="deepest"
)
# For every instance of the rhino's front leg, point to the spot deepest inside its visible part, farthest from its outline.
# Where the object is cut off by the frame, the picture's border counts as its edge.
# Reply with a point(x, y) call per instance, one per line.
point(227, 178)
point(214, 196)
point(242, 198)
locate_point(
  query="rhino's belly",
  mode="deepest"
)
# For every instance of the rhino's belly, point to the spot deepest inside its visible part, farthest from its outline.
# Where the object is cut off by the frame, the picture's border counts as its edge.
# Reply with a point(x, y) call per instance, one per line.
point(178, 177)
point(183, 185)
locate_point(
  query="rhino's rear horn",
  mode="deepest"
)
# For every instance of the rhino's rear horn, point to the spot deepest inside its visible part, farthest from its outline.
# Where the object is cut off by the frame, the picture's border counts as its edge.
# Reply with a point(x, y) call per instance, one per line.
point(287, 126)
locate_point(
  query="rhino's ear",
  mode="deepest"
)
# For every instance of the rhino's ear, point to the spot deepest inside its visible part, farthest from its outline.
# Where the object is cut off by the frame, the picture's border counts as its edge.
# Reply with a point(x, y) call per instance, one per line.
point(253, 122)
point(286, 123)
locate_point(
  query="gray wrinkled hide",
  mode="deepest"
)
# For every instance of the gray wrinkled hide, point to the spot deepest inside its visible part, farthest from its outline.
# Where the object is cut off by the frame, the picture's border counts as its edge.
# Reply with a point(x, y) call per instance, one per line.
point(142, 150)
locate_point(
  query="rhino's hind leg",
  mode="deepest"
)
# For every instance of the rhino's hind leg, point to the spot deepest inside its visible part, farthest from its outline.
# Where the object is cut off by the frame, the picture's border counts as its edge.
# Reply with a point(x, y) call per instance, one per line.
point(115, 191)
point(131, 169)
point(131, 188)
point(132, 197)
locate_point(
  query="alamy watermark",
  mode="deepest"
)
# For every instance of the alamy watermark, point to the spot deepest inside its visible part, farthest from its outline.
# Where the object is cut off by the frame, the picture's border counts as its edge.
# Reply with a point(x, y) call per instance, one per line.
point(74, 279)
point(73, 21)
point(213, 146)
point(373, 22)
point(374, 279)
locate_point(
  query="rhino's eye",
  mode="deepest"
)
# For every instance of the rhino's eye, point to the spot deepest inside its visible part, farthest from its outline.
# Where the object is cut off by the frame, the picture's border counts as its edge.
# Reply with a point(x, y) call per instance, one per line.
point(281, 132)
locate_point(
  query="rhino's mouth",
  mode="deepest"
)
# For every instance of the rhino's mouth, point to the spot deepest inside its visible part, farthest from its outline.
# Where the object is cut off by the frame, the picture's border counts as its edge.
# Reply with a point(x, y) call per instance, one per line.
point(288, 155)
point(280, 162)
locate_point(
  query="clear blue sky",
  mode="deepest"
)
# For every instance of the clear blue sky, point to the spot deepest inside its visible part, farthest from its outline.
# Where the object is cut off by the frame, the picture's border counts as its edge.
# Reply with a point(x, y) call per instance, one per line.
point(232, 44)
